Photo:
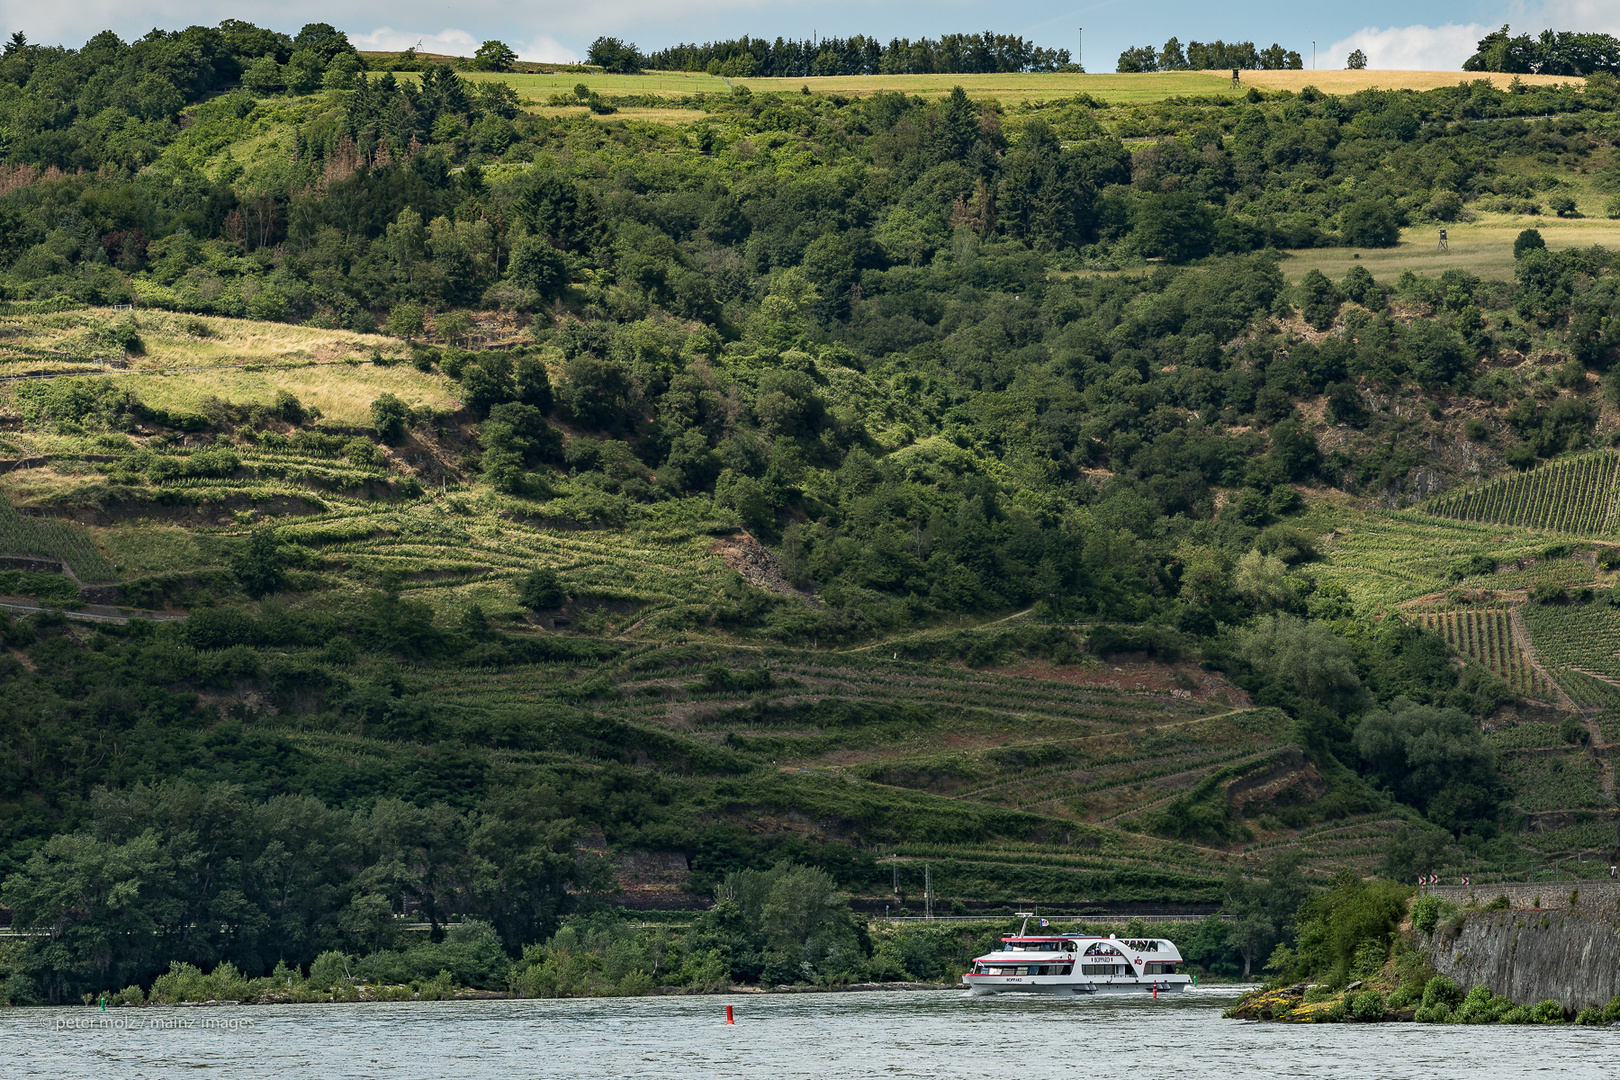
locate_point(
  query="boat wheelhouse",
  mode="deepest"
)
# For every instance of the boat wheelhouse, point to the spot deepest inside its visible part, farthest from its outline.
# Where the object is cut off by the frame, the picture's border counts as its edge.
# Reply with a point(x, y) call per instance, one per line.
point(1078, 964)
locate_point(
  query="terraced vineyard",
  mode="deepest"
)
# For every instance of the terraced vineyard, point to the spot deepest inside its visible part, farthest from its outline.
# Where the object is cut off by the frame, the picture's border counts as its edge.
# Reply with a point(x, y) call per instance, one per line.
point(1572, 496)
point(1569, 782)
point(1395, 557)
point(1485, 636)
point(22, 534)
point(1585, 636)
point(1588, 692)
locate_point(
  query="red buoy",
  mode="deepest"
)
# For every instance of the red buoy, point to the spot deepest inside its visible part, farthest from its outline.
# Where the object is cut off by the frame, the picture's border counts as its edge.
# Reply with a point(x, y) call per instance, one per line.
point(729, 1020)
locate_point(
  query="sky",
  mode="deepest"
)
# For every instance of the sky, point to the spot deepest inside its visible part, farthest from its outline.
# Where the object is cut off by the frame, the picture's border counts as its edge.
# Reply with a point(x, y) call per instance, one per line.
point(1394, 34)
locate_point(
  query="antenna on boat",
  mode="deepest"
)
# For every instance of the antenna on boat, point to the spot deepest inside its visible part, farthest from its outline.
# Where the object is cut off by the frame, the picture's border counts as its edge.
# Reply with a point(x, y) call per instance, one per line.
point(1026, 916)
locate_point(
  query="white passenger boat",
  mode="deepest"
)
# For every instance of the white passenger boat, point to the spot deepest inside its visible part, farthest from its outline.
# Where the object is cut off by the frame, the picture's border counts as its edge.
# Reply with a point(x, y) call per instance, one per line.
point(1076, 964)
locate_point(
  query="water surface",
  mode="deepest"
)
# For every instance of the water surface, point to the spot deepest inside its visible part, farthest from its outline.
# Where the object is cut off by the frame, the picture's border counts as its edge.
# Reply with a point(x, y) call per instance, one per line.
point(933, 1034)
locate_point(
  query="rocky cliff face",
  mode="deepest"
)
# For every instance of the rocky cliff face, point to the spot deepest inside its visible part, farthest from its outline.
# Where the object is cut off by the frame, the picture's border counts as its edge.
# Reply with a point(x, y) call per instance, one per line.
point(1571, 954)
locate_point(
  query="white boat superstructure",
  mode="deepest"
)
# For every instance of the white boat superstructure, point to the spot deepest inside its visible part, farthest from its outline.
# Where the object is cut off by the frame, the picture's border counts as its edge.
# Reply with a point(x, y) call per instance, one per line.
point(1078, 964)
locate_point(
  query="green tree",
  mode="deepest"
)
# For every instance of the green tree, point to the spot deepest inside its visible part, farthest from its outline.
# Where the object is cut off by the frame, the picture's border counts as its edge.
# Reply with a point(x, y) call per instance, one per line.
point(1370, 223)
point(1307, 658)
point(539, 267)
point(532, 384)
point(494, 56)
point(388, 416)
point(1319, 300)
point(304, 72)
point(265, 76)
point(1262, 581)
point(258, 567)
point(1357, 61)
point(541, 590)
point(487, 383)
point(1176, 226)
point(1263, 909)
point(596, 392)
point(1434, 759)
point(453, 326)
point(830, 267)
point(1434, 353)
point(406, 321)
point(614, 56)
point(1528, 240)
point(322, 40)
point(343, 72)
point(1353, 920)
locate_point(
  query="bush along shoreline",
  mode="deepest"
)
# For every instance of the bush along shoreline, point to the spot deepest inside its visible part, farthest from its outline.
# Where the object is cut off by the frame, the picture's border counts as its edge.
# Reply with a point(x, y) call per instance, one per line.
point(782, 930)
point(1376, 972)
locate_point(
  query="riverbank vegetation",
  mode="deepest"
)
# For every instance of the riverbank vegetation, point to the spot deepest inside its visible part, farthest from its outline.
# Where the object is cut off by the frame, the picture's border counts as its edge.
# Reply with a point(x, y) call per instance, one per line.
point(783, 929)
point(1361, 955)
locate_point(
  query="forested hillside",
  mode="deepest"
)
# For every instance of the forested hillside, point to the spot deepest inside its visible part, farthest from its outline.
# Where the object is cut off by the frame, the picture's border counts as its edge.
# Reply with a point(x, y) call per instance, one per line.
point(425, 500)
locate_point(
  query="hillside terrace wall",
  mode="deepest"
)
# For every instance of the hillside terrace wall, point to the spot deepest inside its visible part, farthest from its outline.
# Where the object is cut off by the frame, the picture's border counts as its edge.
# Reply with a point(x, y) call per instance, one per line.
point(1535, 895)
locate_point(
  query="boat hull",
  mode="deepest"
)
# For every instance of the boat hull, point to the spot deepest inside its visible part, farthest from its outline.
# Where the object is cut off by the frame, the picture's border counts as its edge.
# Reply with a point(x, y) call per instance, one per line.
point(980, 988)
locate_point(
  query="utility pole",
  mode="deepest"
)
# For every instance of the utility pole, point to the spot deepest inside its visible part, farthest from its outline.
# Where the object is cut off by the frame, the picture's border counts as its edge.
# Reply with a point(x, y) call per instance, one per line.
point(928, 890)
point(1080, 54)
point(1313, 56)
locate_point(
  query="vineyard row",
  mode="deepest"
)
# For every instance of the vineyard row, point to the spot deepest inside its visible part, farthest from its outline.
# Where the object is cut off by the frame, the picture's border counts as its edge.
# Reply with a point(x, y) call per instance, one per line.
point(1486, 637)
point(1574, 496)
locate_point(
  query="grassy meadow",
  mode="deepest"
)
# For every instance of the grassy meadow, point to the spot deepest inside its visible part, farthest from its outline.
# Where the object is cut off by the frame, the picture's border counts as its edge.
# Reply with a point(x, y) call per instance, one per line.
point(1115, 89)
point(1483, 246)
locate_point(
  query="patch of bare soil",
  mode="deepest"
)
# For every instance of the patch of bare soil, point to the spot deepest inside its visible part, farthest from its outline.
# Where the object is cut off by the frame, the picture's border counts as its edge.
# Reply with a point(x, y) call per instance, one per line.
point(1173, 680)
point(758, 565)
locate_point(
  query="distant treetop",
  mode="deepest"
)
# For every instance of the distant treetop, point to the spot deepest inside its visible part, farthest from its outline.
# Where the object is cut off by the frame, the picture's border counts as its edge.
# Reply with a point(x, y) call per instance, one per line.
point(1551, 53)
point(1209, 56)
point(950, 54)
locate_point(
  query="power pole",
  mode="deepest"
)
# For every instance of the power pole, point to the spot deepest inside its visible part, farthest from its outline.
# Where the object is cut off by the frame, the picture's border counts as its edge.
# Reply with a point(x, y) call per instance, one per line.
point(928, 890)
point(1080, 54)
point(1313, 56)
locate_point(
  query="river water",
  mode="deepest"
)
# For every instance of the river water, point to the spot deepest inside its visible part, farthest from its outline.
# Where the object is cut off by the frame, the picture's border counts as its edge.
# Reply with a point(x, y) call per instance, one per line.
point(933, 1034)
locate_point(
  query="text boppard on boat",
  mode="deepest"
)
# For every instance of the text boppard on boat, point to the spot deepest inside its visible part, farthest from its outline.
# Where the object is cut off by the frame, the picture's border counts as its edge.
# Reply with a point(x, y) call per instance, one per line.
point(1075, 964)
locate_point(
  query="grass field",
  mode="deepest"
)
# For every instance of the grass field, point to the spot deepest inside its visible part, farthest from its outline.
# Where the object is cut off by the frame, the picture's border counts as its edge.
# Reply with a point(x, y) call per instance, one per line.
point(659, 83)
point(1115, 89)
point(246, 362)
point(175, 340)
point(342, 392)
point(1483, 246)
point(651, 116)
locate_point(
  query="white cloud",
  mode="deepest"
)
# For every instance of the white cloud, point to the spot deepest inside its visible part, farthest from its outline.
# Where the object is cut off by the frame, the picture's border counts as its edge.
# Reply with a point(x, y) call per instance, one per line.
point(1591, 16)
point(545, 49)
point(1410, 48)
point(386, 39)
point(451, 42)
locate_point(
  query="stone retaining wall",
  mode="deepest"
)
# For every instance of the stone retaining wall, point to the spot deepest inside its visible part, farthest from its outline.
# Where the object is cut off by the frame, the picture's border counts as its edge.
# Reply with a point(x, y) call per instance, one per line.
point(1598, 895)
point(1571, 956)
